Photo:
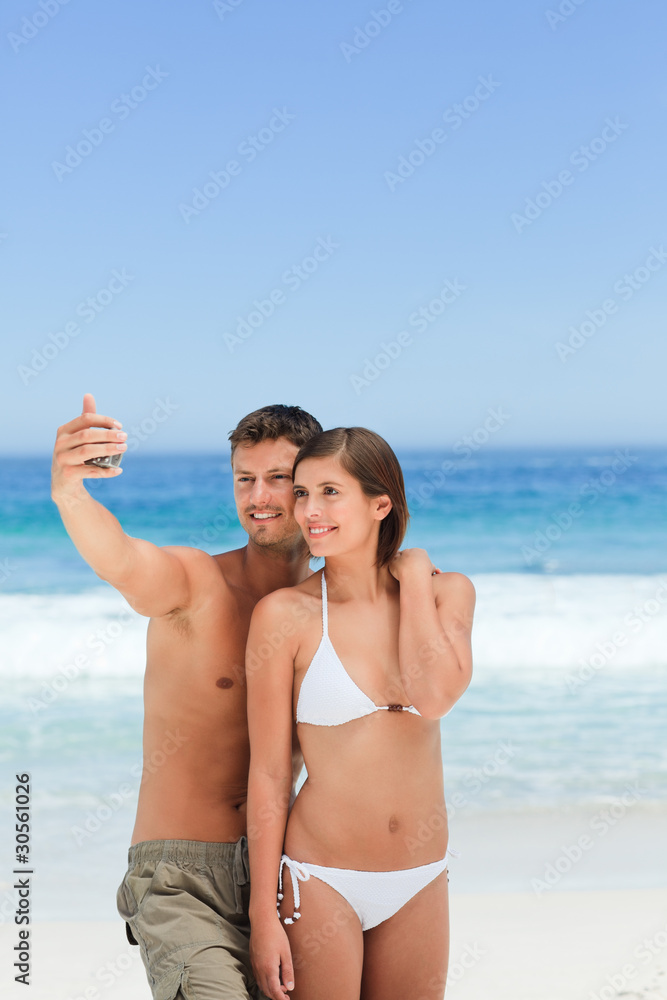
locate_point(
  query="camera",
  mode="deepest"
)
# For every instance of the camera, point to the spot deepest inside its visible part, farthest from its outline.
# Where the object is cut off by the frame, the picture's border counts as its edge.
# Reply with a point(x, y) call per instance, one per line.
point(105, 461)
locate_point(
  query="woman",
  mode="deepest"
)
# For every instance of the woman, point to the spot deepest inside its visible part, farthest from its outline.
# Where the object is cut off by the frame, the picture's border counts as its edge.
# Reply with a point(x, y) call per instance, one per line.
point(366, 656)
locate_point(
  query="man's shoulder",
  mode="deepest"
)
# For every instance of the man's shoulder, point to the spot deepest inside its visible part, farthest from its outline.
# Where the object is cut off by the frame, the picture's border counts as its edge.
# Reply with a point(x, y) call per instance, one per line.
point(202, 569)
point(186, 553)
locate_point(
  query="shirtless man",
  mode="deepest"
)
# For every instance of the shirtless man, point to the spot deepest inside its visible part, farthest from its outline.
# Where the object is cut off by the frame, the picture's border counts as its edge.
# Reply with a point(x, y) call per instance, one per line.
point(186, 892)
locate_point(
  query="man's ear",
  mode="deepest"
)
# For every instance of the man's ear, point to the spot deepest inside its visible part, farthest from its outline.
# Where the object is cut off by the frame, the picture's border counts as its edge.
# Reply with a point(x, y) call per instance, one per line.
point(382, 506)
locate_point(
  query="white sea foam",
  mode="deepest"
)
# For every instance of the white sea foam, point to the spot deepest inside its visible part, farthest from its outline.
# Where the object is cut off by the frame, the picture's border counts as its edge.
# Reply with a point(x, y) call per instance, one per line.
point(521, 622)
point(91, 634)
point(526, 621)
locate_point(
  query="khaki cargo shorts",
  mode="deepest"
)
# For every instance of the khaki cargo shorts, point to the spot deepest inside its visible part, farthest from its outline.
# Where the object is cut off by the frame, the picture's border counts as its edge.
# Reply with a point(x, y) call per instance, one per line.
point(185, 903)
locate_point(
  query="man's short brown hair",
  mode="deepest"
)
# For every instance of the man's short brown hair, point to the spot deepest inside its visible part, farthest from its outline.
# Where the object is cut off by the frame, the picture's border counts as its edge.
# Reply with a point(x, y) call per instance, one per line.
point(272, 422)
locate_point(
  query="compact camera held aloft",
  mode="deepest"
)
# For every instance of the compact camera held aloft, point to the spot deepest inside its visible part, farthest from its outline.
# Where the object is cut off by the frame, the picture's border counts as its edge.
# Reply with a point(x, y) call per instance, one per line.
point(105, 461)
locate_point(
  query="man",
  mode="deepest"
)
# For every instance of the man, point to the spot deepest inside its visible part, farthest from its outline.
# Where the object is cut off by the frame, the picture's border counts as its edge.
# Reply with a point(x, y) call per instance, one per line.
point(185, 895)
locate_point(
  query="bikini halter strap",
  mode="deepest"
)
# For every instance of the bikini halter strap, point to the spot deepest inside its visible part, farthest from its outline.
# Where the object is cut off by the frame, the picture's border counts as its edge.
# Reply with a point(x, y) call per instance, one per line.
point(325, 609)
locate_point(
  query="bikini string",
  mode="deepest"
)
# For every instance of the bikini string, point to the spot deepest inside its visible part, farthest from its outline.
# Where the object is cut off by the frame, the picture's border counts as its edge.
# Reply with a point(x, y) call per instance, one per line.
point(298, 874)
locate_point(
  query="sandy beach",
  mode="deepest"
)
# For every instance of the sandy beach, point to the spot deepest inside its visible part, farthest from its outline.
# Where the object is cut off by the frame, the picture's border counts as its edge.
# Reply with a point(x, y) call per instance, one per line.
point(600, 945)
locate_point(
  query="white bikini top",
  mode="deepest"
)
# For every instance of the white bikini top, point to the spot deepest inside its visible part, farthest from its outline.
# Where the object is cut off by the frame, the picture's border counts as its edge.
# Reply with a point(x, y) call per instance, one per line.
point(328, 695)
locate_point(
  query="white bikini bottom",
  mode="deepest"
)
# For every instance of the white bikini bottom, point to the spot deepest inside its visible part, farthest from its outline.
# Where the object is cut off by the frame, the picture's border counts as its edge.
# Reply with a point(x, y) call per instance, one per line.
point(374, 896)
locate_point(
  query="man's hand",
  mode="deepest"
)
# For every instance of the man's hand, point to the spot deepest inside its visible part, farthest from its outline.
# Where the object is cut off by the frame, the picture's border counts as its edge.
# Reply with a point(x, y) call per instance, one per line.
point(152, 580)
point(271, 958)
point(89, 436)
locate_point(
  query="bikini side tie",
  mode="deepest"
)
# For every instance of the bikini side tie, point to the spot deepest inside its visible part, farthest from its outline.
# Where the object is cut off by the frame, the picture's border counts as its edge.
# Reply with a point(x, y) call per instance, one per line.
point(298, 874)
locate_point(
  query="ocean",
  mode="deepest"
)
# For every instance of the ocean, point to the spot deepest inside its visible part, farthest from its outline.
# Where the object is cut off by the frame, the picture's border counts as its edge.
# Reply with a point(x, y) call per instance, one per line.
point(566, 715)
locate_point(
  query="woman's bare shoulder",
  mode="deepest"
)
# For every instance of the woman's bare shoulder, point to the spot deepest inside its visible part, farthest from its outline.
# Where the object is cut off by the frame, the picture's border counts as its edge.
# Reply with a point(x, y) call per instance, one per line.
point(297, 601)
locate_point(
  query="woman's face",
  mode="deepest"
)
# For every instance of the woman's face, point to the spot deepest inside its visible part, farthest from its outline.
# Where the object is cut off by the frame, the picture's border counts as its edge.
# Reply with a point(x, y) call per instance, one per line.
point(331, 509)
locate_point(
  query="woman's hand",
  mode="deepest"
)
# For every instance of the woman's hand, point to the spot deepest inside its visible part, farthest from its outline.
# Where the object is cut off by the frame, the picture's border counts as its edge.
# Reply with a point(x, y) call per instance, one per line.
point(271, 958)
point(408, 560)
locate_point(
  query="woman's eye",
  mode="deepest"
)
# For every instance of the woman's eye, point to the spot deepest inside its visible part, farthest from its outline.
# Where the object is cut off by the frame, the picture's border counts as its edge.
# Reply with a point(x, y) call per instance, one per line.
point(299, 493)
point(330, 489)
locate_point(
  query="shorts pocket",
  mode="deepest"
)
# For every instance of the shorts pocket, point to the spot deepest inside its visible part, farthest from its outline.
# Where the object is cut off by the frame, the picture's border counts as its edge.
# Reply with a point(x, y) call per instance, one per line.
point(168, 985)
point(135, 888)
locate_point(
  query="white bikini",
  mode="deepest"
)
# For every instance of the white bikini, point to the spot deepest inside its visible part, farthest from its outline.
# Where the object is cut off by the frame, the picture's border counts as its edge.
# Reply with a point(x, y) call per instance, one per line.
point(329, 697)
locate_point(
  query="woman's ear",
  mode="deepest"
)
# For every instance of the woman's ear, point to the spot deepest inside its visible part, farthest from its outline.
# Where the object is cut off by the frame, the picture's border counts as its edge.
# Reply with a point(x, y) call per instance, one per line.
point(382, 506)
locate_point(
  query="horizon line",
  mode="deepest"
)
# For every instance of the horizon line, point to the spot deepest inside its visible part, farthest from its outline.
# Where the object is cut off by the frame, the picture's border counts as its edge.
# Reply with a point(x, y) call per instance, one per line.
point(209, 452)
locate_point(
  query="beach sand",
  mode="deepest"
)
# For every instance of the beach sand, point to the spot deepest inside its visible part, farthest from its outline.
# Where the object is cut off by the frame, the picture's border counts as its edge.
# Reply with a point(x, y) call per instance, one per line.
point(598, 945)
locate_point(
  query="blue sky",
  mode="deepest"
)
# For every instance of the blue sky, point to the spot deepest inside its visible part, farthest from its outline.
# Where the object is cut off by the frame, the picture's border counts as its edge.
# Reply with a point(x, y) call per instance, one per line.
point(306, 112)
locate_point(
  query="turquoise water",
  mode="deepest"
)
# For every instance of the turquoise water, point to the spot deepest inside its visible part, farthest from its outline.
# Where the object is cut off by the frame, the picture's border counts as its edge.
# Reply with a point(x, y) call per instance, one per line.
point(491, 513)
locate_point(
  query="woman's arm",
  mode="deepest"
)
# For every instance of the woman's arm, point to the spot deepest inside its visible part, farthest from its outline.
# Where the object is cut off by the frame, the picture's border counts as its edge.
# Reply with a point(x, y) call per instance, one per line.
point(434, 650)
point(270, 679)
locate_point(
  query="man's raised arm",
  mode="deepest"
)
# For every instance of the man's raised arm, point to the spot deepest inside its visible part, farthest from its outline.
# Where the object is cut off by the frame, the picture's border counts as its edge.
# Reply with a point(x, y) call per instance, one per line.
point(153, 580)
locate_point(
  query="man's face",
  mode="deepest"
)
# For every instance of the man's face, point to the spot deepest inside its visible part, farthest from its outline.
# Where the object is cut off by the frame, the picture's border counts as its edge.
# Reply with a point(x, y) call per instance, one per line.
point(263, 492)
